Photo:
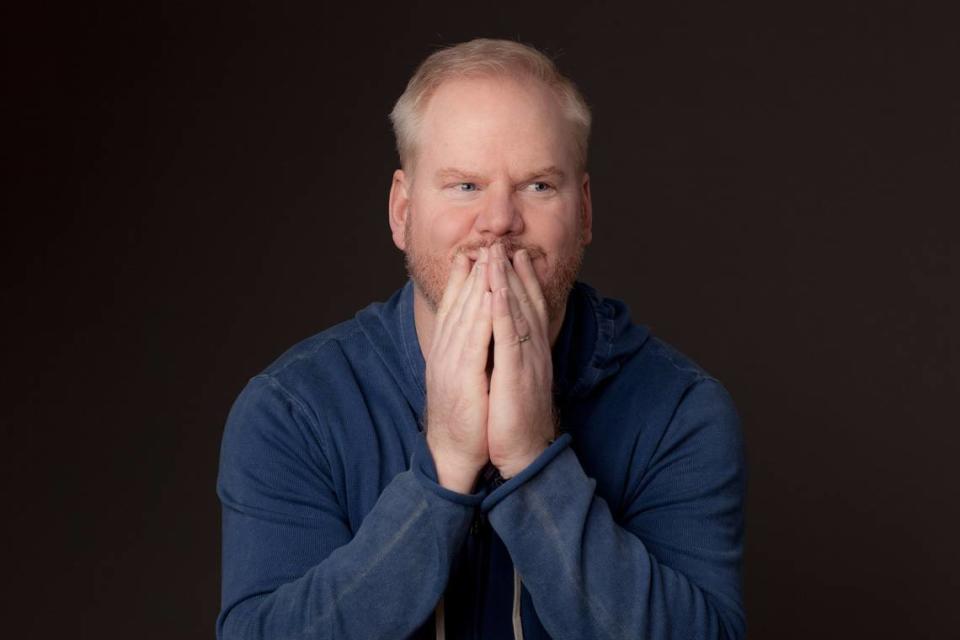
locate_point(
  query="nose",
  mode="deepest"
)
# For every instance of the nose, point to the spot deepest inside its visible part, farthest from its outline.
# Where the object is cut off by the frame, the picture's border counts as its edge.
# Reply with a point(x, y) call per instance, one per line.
point(499, 214)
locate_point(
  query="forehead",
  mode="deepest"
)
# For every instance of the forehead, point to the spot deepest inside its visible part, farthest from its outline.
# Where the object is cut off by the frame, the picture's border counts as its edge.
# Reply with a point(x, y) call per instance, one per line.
point(489, 123)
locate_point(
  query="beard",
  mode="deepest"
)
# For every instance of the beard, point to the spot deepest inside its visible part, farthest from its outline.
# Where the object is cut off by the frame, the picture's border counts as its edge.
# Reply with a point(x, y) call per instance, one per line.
point(430, 272)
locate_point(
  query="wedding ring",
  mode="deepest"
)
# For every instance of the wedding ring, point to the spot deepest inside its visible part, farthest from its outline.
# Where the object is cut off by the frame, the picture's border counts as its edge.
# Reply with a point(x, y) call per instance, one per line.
point(523, 339)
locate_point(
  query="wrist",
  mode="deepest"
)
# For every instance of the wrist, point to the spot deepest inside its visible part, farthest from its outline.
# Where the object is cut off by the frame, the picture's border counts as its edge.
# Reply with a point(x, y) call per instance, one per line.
point(455, 477)
point(510, 467)
point(455, 471)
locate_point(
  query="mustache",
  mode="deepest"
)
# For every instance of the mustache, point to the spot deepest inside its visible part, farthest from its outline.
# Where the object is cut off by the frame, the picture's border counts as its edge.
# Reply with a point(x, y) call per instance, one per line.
point(510, 247)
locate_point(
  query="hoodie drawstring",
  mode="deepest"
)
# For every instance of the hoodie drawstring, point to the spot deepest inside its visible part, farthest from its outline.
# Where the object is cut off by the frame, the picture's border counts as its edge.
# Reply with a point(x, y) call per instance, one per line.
point(441, 631)
point(517, 623)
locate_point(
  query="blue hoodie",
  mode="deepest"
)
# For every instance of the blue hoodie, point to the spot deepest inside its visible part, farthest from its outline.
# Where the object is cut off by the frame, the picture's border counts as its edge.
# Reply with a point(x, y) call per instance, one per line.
point(630, 525)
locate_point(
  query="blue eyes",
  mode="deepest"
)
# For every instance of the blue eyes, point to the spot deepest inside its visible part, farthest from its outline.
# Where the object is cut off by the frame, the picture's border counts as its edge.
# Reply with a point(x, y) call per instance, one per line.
point(471, 187)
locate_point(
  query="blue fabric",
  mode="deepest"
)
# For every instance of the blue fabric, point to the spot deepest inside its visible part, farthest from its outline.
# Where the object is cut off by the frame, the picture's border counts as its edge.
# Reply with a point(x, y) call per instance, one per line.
point(630, 525)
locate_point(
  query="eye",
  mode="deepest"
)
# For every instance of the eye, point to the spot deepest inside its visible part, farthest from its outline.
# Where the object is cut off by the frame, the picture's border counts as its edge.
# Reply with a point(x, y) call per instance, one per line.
point(540, 187)
point(465, 187)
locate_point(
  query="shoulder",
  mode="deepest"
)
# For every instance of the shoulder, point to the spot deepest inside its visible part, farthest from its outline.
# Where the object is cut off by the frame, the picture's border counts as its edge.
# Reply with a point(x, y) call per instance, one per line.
point(312, 348)
point(290, 390)
point(287, 385)
point(281, 412)
point(697, 415)
point(668, 359)
point(332, 356)
point(660, 380)
point(680, 382)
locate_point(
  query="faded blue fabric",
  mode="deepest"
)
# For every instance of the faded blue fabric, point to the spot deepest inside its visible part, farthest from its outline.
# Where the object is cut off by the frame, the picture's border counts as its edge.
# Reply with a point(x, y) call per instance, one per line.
point(630, 525)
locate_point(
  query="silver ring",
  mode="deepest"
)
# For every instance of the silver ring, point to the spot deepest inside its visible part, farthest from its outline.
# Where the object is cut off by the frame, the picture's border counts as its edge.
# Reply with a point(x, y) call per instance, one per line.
point(523, 339)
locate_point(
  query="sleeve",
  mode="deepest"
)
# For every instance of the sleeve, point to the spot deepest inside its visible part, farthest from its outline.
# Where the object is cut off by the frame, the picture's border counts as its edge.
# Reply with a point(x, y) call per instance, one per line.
point(670, 568)
point(292, 567)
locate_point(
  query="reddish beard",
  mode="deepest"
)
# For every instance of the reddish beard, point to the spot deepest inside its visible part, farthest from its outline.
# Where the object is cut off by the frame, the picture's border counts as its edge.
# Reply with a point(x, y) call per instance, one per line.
point(430, 272)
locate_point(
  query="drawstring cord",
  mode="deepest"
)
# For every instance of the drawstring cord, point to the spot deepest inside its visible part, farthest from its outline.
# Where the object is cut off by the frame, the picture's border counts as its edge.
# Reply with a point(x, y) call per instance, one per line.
point(441, 623)
point(517, 623)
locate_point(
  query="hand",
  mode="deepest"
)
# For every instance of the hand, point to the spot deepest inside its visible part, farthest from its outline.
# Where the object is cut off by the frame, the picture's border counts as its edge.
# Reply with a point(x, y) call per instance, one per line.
point(457, 387)
point(520, 425)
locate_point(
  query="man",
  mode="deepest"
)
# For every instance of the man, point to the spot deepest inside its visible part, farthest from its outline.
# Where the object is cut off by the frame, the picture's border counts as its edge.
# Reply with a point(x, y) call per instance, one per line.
point(496, 451)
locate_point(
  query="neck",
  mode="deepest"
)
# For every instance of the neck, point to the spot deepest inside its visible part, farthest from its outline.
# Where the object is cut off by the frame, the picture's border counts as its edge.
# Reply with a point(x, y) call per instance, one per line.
point(425, 320)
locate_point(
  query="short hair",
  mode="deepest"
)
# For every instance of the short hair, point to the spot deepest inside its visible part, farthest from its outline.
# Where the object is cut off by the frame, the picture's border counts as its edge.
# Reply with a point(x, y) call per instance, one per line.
point(484, 57)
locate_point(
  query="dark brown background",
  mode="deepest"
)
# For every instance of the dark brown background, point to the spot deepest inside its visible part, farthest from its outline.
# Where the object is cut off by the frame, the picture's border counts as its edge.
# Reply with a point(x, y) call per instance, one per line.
point(193, 187)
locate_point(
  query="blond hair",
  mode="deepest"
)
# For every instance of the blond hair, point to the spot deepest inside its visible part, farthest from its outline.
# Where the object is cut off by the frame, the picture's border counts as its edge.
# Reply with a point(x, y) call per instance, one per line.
point(484, 57)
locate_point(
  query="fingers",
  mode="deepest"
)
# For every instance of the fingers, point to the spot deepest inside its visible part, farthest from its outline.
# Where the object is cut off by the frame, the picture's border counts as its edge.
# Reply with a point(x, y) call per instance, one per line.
point(498, 269)
point(523, 267)
point(481, 331)
point(458, 276)
point(527, 294)
point(509, 325)
point(476, 275)
point(465, 287)
point(473, 293)
point(468, 329)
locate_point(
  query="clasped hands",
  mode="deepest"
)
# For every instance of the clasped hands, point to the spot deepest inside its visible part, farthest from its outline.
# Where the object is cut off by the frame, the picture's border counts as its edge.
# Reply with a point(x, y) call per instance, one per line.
point(477, 413)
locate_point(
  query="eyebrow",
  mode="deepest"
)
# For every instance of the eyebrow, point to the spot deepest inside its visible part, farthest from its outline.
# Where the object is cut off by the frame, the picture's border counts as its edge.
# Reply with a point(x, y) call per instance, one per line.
point(453, 172)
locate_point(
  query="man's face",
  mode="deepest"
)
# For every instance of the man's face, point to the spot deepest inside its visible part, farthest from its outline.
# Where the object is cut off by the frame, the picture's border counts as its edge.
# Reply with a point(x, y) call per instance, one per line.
point(495, 163)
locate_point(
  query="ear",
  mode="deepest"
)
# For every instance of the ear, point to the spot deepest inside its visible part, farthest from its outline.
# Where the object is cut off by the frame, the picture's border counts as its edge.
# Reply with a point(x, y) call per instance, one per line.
point(586, 210)
point(399, 207)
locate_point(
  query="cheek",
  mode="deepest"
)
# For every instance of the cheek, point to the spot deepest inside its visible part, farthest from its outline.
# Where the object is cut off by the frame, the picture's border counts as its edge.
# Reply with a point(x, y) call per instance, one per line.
point(556, 239)
point(448, 230)
point(560, 242)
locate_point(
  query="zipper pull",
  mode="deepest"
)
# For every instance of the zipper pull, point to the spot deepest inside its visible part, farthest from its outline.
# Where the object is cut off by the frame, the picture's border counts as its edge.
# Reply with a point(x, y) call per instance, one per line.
point(475, 523)
point(479, 521)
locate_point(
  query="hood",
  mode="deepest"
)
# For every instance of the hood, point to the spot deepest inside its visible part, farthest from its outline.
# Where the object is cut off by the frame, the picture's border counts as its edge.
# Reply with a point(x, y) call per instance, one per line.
point(596, 337)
